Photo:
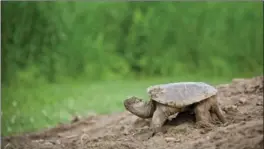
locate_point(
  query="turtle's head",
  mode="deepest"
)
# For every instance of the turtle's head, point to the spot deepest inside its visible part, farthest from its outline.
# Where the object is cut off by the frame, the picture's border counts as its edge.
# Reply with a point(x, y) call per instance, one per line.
point(133, 102)
point(138, 107)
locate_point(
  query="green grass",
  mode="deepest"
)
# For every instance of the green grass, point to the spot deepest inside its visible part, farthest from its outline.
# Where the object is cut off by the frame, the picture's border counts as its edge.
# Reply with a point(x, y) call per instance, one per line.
point(29, 109)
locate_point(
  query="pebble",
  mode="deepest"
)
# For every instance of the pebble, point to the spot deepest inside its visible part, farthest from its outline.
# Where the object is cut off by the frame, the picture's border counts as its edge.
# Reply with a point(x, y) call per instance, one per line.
point(230, 108)
point(259, 103)
point(233, 107)
point(242, 100)
point(38, 141)
point(172, 139)
point(48, 143)
point(145, 127)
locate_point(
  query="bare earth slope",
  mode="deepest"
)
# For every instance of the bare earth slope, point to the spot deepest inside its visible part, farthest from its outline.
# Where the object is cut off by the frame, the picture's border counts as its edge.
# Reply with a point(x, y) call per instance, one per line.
point(241, 100)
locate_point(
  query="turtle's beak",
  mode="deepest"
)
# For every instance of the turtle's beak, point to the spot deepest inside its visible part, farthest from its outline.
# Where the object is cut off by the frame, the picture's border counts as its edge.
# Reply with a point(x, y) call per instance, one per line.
point(132, 102)
point(139, 108)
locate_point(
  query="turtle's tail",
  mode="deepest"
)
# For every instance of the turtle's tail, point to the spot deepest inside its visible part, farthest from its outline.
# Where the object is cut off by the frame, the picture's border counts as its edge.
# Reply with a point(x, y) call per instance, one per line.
point(139, 107)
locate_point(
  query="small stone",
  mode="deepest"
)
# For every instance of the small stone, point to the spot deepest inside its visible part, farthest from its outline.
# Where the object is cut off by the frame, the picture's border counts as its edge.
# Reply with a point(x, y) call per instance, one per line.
point(233, 107)
point(145, 127)
point(242, 123)
point(227, 109)
point(225, 124)
point(58, 142)
point(242, 100)
point(38, 141)
point(172, 139)
point(59, 135)
point(259, 103)
point(217, 137)
point(49, 143)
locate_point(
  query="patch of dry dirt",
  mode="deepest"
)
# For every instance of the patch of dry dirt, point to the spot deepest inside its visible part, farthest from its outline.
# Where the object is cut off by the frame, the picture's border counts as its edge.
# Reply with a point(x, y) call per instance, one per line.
point(241, 100)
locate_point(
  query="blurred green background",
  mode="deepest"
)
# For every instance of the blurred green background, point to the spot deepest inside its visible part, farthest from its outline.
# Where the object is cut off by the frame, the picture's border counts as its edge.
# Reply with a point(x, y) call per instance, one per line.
point(61, 59)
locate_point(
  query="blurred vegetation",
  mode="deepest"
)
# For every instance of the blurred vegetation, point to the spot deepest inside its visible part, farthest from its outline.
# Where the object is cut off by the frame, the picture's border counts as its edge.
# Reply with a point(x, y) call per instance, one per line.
point(46, 45)
point(52, 41)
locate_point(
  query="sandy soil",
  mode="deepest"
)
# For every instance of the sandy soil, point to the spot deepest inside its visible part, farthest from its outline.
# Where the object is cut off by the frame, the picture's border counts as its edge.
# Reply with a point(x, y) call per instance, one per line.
point(241, 101)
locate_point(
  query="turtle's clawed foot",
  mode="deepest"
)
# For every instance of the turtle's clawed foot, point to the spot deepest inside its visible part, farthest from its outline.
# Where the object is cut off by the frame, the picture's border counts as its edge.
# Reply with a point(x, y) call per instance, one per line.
point(144, 134)
point(158, 131)
point(206, 126)
point(202, 124)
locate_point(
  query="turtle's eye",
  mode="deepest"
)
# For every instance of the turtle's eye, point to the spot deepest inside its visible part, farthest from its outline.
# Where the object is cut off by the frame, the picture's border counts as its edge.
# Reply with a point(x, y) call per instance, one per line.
point(134, 98)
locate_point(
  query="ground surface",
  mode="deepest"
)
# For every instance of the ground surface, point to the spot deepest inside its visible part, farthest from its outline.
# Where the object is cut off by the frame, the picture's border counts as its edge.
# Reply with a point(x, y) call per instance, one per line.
point(242, 101)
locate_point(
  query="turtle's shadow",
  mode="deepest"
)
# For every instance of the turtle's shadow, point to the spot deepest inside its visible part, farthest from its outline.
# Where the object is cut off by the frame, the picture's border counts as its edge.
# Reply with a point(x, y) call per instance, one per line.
point(183, 117)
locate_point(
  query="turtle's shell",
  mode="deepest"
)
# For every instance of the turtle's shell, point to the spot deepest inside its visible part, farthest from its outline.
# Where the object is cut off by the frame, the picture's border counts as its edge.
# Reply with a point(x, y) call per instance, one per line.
point(181, 94)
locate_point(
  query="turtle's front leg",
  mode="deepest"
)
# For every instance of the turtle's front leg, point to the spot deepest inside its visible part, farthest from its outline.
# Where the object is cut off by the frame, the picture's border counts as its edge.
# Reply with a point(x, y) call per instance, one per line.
point(158, 120)
point(161, 114)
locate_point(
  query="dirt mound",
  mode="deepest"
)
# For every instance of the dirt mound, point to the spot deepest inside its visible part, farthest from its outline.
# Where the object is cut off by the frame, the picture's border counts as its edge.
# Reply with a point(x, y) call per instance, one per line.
point(241, 100)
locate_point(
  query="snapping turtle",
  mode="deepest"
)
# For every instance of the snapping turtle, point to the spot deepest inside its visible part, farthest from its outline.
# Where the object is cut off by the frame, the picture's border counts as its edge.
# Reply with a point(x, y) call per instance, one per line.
point(167, 100)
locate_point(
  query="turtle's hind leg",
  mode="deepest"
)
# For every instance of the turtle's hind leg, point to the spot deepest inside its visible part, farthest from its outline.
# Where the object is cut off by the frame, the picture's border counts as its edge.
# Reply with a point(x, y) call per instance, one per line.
point(204, 109)
point(217, 110)
point(202, 114)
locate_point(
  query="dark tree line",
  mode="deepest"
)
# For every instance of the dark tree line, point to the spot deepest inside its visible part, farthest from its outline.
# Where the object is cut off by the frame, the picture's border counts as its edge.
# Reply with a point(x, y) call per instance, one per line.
point(55, 40)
